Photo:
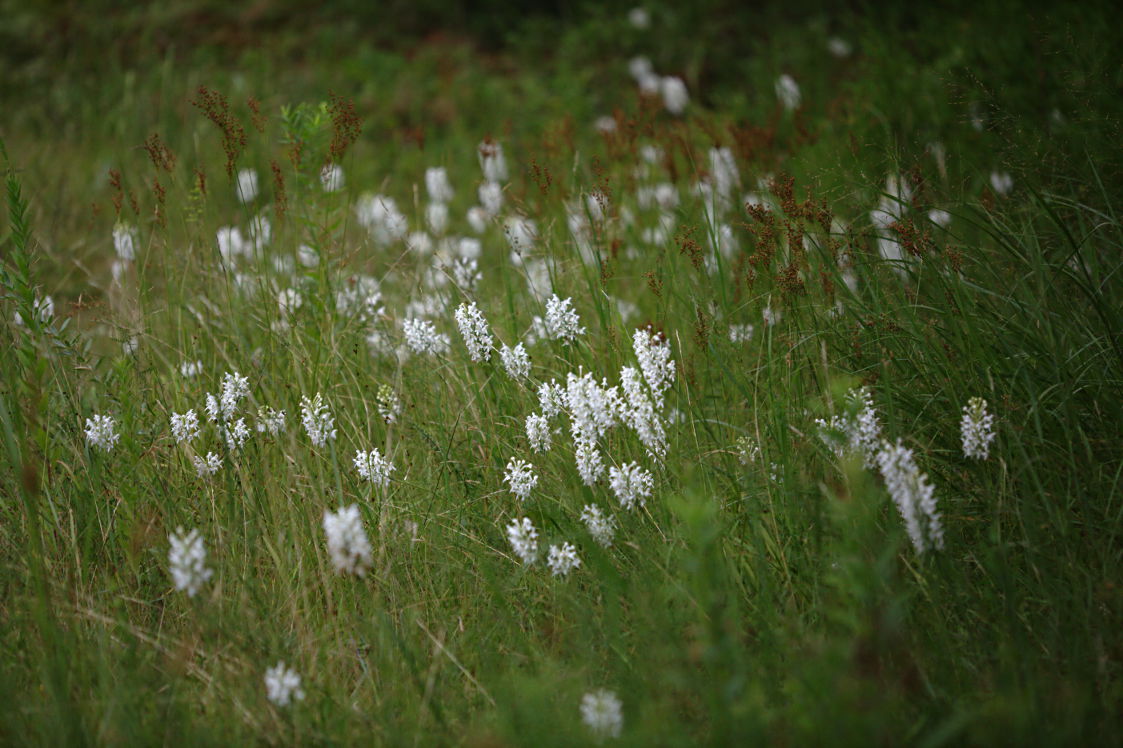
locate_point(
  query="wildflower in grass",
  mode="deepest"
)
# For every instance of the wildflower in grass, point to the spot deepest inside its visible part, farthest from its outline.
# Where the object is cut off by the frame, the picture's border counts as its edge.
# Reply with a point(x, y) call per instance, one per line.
point(776, 473)
point(723, 174)
point(858, 430)
point(770, 316)
point(438, 185)
point(740, 333)
point(331, 178)
point(235, 434)
point(307, 256)
point(492, 162)
point(317, 419)
point(288, 301)
point(631, 484)
point(520, 478)
point(601, 527)
point(639, 18)
point(602, 713)
point(185, 426)
point(654, 354)
point(43, 307)
point(260, 234)
point(347, 541)
point(640, 67)
point(436, 218)
point(477, 218)
point(270, 420)
point(380, 216)
point(124, 241)
point(605, 125)
point(551, 398)
point(839, 47)
point(474, 330)
point(639, 411)
point(282, 685)
point(913, 495)
point(515, 361)
point(675, 97)
point(230, 244)
point(491, 198)
point(590, 464)
point(524, 539)
point(562, 322)
point(100, 432)
point(422, 337)
point(787, 90)
point(187, 560)
point(977, 429)
point(388, 403)
point(372, 466)
point(247, 186)
point(205, 467)
point(538, 432)
point(748, 451)
point(189, 369)
point(521, 234)
point(939, 217)
point(562, 559)
point(1001, 182)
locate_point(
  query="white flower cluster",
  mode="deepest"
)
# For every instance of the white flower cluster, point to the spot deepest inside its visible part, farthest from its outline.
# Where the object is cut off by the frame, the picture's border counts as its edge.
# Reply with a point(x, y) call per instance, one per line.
point(858, 430)
point(205, 467)
point(524, 539)
point(282, 685)
point(187, 560)
point(562, 322)
point(317, 419)
point(515, 361)
point(913, 495)
point(602, 713)
point(538, 432)
point(473, 328)
point(562, 559)
point(270, 420)
point(655, 362)
point(101, 432)
point(631, 484)
point(185, 426)
point(520, 478)
point(388, 403)
point(422, 337)
point(348, 546)
point(976, 429)
point(221, 409)
point(600, 526)
point(372, 466)
point(380, 216)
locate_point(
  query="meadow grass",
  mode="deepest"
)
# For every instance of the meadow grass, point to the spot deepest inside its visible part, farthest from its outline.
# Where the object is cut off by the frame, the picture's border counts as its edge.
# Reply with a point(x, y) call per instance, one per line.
point(769, 588)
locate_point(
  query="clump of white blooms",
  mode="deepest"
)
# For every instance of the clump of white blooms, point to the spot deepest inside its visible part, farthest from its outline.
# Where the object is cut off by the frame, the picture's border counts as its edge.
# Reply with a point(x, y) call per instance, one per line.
point(388, 403)
point(631, 483)
point(562, 322)
point(185, 426)
point(288, 301)
point(551, 398)
point(515, 361)
point(1001, 182)
point(787, 90)
point(859, 428)
point(592, 411)
point(748, 451)
point(520, 478)
point(282, 685)
point(740, 333)
point(43, 308)
point(538, 432)
point(101, 433)
point(422, 337)
point(270, 420)
point(438, 185)
point(187, 560)
point(640, 413)
point(234, 388)
point(770, 316)
point(190, 369)
point(492, 162)
point(913, 495)
point(331, 178)
point(317, 419)
point(601, 712)
point(562, 559)
point(675, 96)
point(380, 216)
point(639, 17)
point(601, 527)
point(655, 362)
point(977, 429)
point(247, 185)
point(124, 241)
point(839, 47)
point(347, 541)
point(235, 434)
point(524, 539)
point(372, 466)
point(205, 467)
point(474, 330)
